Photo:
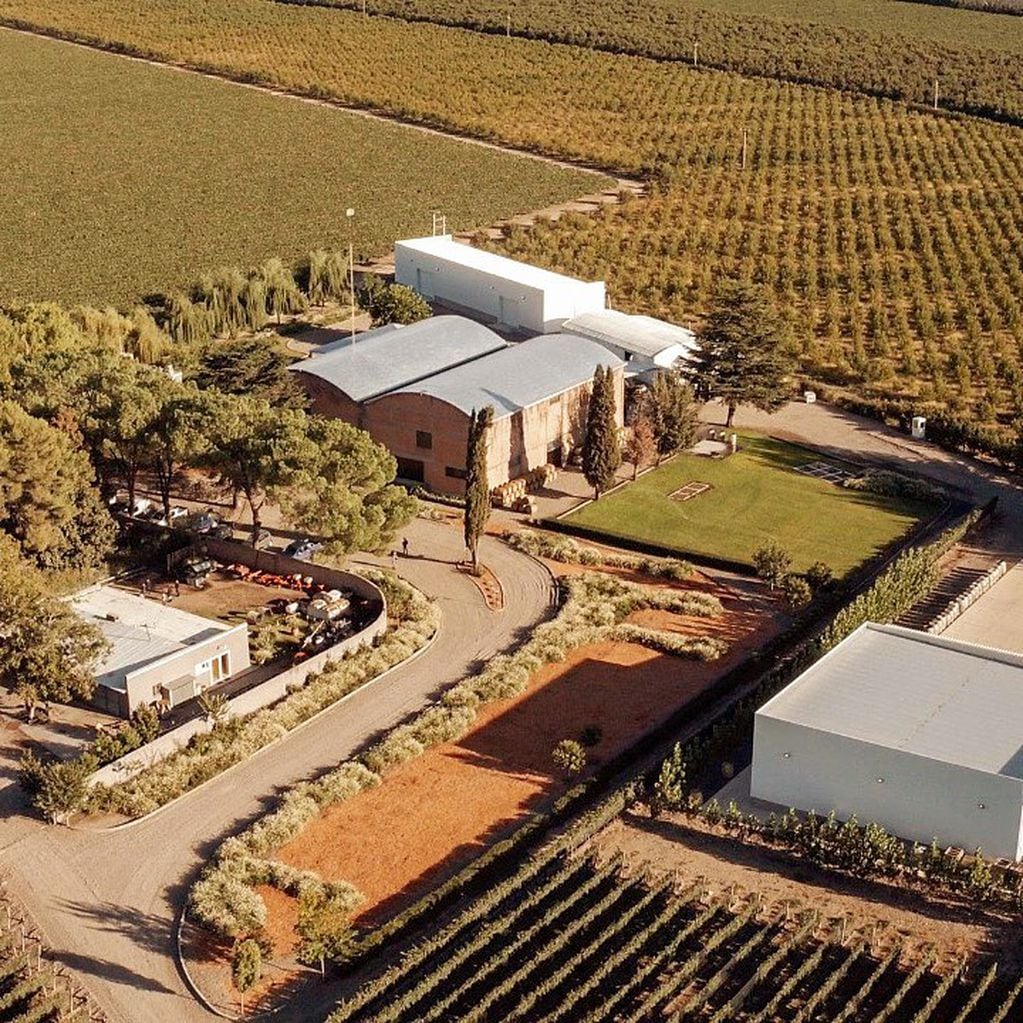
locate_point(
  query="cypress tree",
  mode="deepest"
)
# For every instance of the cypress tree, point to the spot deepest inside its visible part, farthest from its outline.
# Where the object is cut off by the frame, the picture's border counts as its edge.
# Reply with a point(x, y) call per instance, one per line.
point(602, 453)
point(477, 487)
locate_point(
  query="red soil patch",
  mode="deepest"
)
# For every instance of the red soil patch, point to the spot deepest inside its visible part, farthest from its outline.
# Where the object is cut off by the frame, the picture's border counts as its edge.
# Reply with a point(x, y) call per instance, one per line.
point(441, 809)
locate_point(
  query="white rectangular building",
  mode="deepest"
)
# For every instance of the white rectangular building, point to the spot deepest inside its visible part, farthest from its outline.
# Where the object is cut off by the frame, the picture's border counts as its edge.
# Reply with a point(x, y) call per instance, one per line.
point(494, 288)
point(920, 734)
point(158, 654)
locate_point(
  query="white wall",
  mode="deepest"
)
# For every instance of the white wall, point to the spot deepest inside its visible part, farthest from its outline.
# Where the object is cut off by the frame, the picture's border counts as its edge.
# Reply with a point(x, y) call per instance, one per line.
point(493, 296)
point(919, 799)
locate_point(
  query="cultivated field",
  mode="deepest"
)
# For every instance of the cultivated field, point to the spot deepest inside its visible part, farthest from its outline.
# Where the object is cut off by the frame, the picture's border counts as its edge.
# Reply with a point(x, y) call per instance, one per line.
point(891, 240)
point(122, 179)
point(874, 46)
point(754, 496)
point(583, 941)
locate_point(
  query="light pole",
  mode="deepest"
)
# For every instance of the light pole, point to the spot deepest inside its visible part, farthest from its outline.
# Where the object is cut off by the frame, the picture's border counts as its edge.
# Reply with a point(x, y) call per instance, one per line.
point(350, 215)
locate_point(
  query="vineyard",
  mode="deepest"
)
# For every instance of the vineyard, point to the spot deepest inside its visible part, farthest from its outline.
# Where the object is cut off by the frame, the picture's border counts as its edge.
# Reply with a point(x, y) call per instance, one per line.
point(892, 240)
point(872, 46)
point(133, 179)
point(582, 941)
point(32, 990)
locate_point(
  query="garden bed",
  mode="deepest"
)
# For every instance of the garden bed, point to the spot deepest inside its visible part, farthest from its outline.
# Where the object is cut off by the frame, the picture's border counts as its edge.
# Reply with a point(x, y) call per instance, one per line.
point(438, 810)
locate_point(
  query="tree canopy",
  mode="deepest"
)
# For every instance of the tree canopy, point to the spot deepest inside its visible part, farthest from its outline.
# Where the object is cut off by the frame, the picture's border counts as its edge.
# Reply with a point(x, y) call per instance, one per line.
point(251, 366)
point(741, 359)
point(477, 486)
point(602, 453)
point(47, 652)
point(392, 303)
point(673, 413)
point(338, 487)
point(47, 500)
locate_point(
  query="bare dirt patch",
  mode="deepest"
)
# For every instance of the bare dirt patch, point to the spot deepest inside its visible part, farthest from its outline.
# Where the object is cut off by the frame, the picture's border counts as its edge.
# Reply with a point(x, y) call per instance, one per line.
point(891, 916)
point(441, 809)
point(229, 599)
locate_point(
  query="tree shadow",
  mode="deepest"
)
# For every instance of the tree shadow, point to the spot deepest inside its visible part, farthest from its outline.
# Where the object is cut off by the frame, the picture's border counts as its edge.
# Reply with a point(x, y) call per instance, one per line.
point(146, 931)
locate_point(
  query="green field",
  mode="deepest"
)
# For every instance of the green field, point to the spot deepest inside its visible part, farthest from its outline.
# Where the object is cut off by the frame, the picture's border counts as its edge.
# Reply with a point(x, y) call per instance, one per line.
point(756, 496)
point(121, 178)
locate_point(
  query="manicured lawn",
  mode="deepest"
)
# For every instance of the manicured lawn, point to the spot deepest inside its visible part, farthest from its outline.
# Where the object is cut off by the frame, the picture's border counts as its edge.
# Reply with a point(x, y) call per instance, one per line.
point(756, 496)
point(119, 178)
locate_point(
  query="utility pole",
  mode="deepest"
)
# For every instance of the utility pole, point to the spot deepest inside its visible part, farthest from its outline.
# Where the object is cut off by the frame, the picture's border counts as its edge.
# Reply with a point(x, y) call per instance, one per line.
point(745, 139)
point(350, 215)
point(696, 53)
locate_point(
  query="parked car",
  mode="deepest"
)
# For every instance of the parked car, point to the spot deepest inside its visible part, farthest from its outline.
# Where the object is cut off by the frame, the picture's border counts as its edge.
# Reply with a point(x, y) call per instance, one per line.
point(141, 506)
point(206, 522)
point(303, 549)
point(177, 513)
point(264, 538)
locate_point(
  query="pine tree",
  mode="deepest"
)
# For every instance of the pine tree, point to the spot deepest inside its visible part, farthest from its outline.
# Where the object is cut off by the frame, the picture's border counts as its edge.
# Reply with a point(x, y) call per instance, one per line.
point(740, 360)
point(602, 454)
point(477, 487)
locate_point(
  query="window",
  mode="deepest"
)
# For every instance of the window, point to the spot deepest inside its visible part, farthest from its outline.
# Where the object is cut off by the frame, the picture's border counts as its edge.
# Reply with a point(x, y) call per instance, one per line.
point(424, 439)
point(454, 473)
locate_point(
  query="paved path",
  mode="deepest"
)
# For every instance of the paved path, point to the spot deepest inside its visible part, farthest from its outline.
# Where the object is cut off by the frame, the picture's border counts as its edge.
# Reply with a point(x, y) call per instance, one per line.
point(107, 902)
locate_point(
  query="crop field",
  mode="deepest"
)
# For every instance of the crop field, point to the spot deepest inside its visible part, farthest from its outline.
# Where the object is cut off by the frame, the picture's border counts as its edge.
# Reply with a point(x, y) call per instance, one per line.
point(755, 496)
point(580, 941)
point(122, 178)
point(892, 240)
point(874, 46)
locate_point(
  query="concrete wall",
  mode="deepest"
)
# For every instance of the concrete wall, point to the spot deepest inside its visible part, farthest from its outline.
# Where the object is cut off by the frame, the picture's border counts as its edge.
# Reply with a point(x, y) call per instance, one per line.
point(920, 799)
point(142, 684)
point(493, 296)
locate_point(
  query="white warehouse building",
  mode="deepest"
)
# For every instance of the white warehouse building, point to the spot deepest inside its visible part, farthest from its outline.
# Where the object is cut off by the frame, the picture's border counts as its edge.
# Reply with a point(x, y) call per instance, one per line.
point(920, 734)
point(493, 288)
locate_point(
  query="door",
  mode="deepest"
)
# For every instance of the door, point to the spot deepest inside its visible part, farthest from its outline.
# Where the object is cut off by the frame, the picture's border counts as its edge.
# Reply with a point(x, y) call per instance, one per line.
point(411, 469)
point(426, 283)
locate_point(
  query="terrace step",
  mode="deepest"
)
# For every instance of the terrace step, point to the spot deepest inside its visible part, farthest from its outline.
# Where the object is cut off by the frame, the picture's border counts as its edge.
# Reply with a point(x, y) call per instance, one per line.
point(925, 613)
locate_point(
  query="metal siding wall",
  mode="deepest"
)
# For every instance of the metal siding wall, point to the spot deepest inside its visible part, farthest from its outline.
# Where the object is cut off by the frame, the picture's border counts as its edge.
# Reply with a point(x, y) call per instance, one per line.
point(920, 799)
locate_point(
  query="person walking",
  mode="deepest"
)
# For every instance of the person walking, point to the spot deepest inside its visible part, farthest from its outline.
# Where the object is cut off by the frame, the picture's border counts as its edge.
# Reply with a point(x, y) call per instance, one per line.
point(394, 560)
point(404, 546)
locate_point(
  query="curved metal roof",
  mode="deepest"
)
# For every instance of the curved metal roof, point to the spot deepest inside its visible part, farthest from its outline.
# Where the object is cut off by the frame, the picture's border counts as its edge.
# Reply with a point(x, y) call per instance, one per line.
point(641, 335)
point(518, 376)
point(380, 361)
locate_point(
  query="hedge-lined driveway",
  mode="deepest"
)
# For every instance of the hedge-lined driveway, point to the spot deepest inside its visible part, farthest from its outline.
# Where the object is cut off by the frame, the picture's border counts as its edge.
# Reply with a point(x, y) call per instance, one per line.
point(107, 902)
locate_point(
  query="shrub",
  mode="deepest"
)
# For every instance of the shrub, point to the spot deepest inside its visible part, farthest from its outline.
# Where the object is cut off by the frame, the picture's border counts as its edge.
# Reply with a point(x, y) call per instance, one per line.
point(226, 904)
point(146, 722)
point(796, 591)
point(894, 484)
point(569, 756)
point(820, 577)
point(247, 964)
point(61, 787)
point(772, 562)
point(399, 746)
point(697, 648)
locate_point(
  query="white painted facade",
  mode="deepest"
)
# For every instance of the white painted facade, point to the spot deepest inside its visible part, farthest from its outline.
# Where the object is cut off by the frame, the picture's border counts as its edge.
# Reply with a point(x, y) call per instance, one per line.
point(919, 734)
point(492, 287)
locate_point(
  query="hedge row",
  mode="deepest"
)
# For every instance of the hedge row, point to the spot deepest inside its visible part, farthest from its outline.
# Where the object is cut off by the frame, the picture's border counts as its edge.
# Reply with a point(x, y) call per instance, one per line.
point(596, 605)
point(565, 550)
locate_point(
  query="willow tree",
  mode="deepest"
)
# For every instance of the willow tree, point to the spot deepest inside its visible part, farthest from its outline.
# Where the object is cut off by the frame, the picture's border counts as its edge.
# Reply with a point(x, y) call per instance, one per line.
point(602, 453)
point(477, 486)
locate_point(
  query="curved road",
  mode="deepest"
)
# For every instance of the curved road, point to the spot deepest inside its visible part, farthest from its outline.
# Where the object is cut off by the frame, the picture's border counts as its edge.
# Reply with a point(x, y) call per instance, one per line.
point(107, 902)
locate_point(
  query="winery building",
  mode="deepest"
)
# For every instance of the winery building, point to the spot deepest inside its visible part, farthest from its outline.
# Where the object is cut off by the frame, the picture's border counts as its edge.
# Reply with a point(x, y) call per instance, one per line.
point(918, 733)
point(493, 288)
point(539, 391)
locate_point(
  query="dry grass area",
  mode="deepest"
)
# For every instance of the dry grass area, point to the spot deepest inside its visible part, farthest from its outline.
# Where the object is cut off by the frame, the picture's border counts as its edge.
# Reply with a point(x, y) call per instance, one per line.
point(228, 599)
point(437, 811)
point(889, 915)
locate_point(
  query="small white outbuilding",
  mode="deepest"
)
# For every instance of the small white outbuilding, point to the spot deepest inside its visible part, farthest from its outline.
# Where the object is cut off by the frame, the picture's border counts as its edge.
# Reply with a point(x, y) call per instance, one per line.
point(491, 287)
point(920, 734)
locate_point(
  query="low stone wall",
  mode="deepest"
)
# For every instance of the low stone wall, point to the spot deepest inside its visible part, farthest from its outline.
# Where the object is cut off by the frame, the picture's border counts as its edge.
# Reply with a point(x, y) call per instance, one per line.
point(273, 689)
point(967, 599)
